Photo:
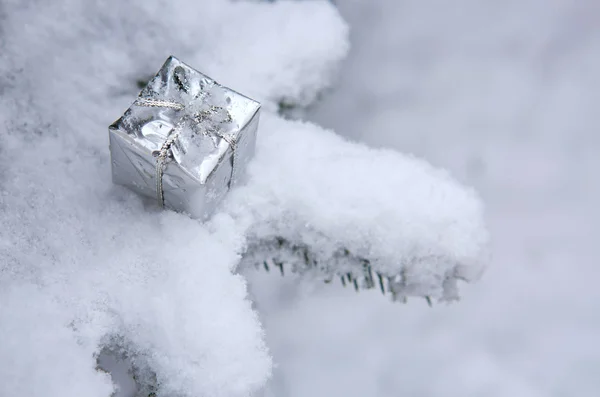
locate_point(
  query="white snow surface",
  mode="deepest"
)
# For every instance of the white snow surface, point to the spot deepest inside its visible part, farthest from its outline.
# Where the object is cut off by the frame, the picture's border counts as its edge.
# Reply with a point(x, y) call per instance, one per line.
point(397, 211)
point(84, 263)
point(505, 94)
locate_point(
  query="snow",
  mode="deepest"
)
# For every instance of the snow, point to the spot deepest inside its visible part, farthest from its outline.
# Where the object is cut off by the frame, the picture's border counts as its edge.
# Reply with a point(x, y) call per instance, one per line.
point(401, 214)
point(40, 354)
point(505, 95)
point(87, 267)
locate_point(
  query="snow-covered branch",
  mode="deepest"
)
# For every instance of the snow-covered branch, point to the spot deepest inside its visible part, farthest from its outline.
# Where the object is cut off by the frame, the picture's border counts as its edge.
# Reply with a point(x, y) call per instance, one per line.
point(84, 263)
point(316, 201)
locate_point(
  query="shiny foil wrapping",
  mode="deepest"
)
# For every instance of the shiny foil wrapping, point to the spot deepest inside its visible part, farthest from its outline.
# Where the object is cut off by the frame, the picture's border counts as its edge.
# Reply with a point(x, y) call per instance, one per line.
point(185, 141)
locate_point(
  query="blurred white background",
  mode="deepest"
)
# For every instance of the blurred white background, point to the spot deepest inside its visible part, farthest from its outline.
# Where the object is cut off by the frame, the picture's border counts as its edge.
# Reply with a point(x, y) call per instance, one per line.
point(505, 95)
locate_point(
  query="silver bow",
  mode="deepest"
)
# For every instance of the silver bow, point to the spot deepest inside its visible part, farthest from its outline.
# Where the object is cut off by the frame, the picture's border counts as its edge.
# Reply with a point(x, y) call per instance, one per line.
point(197, 120)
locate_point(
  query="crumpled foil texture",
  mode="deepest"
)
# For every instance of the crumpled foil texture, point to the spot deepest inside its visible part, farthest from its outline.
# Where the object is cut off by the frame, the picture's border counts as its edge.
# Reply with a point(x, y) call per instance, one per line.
point(206, 133)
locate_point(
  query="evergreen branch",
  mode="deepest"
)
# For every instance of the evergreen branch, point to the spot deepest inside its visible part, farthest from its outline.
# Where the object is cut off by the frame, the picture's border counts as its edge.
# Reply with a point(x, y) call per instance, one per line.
point(351, 270)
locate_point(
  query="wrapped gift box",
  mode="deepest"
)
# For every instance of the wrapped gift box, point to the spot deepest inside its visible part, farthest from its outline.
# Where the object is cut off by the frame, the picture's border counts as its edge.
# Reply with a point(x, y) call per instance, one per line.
point(185, 141)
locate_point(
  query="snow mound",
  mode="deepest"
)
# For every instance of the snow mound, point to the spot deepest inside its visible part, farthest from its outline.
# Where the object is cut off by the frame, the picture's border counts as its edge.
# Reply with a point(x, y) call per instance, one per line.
point(316, 200)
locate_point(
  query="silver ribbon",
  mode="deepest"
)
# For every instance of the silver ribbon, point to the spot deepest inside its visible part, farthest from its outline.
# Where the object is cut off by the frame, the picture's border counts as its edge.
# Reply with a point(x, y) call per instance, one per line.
point(165, 150)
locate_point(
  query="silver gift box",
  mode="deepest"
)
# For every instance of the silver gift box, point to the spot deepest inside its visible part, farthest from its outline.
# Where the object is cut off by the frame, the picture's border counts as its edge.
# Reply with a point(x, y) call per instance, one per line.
point(185, 141)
